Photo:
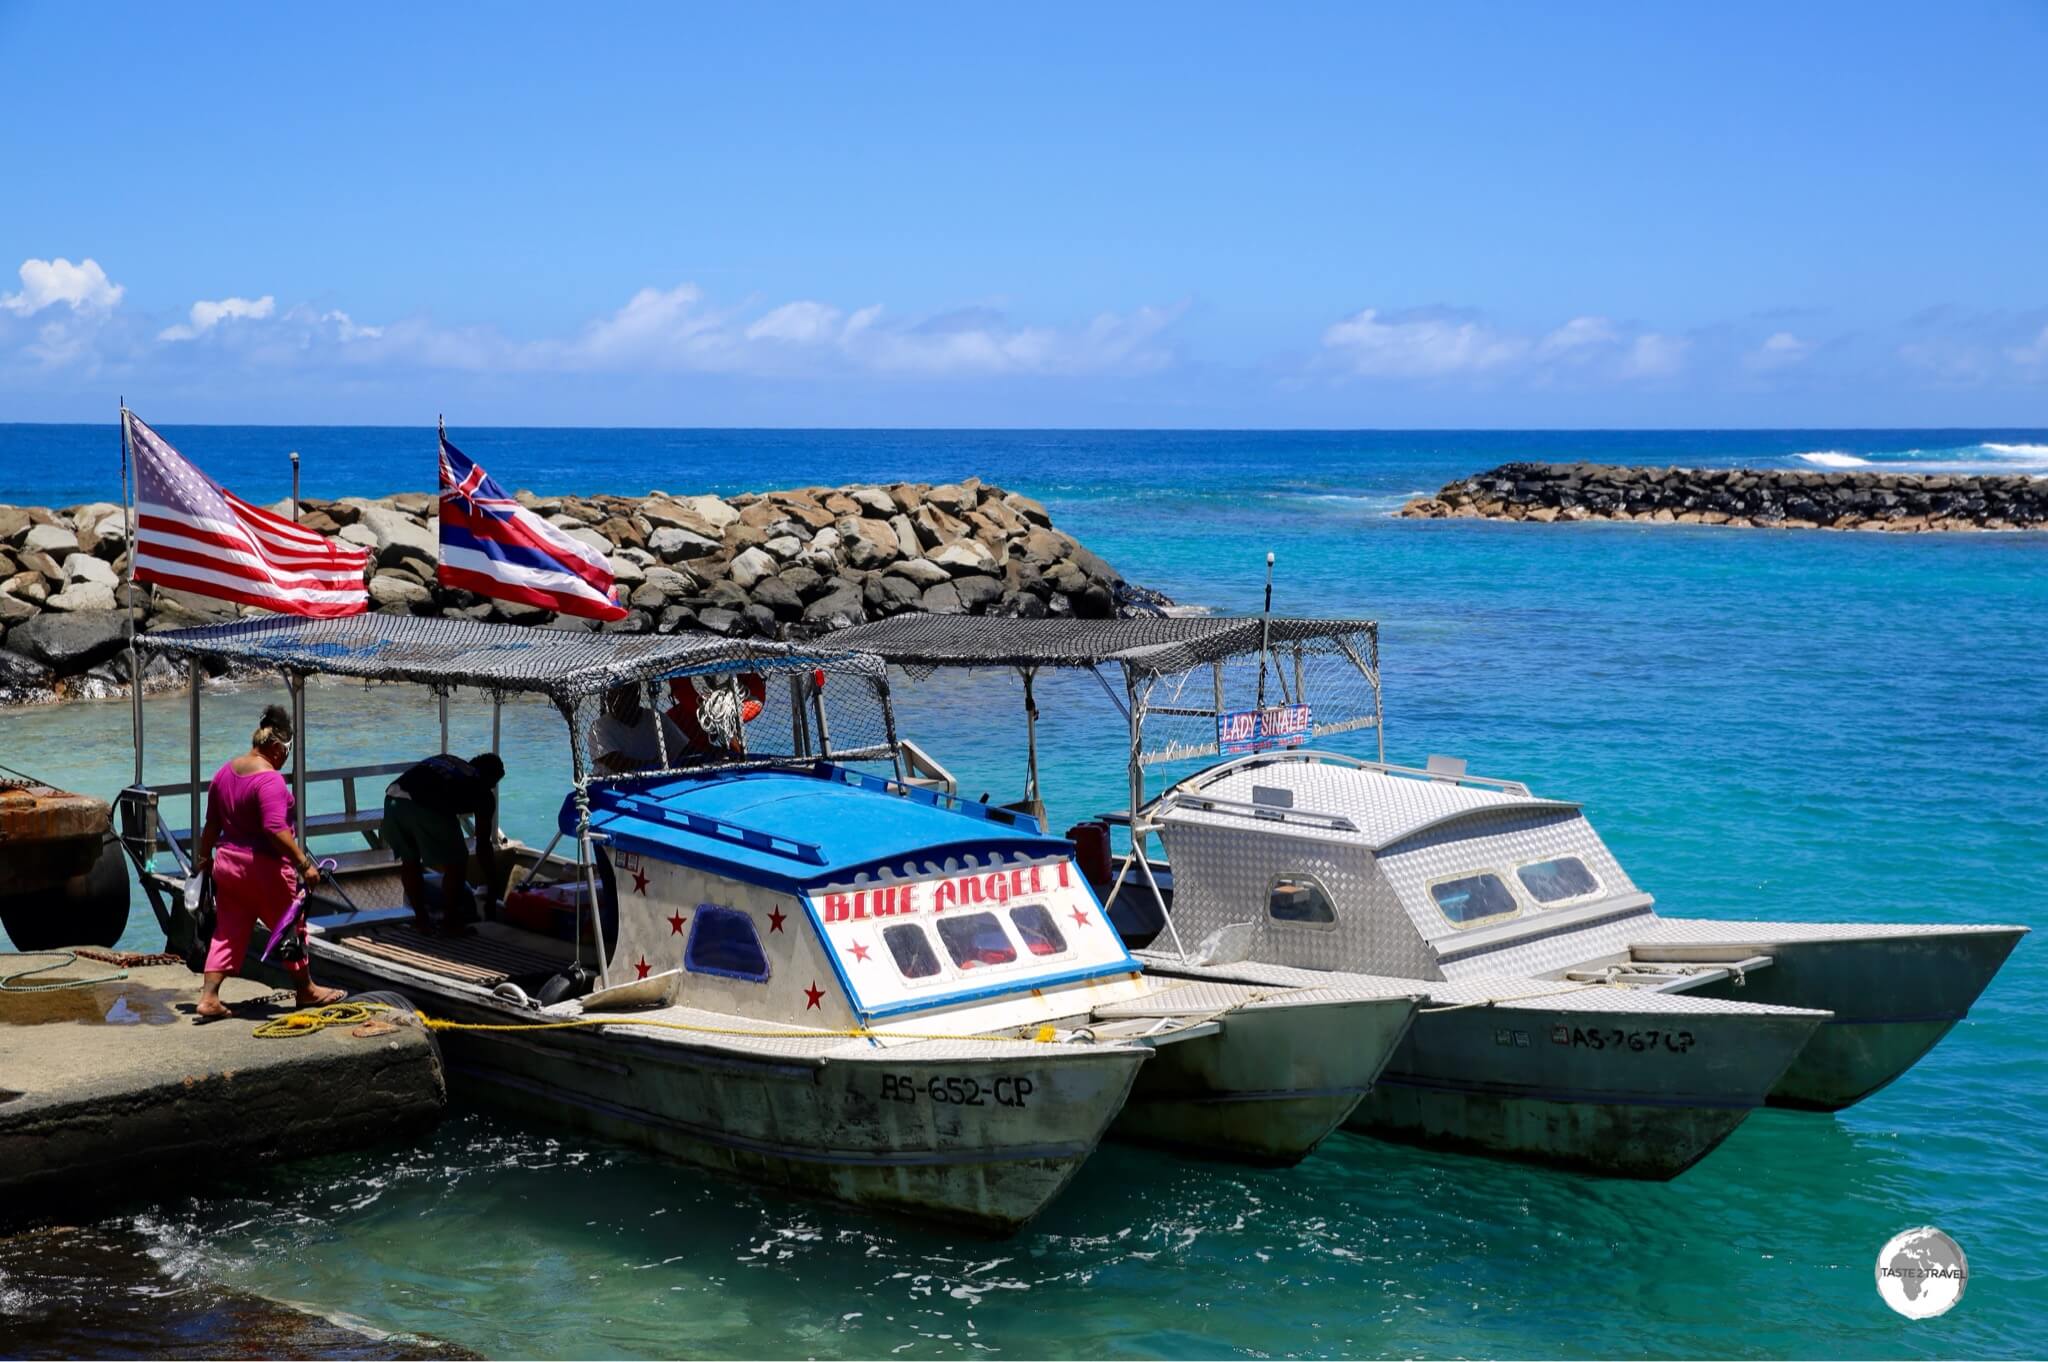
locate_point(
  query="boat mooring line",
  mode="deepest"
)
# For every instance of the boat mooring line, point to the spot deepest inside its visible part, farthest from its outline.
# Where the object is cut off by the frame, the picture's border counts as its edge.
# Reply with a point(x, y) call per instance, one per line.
point(7, 984)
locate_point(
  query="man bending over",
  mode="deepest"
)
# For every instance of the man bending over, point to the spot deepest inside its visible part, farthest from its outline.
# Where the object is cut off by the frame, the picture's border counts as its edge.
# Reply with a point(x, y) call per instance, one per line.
point(421, 809)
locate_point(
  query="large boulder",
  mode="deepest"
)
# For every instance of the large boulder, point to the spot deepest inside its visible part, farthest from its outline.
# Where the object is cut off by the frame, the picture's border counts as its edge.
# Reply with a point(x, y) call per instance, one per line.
point(14, 523)
point(840, 608)
point(1028, 509)
point(80, 567)
point(965, 556)
point(69, 643)
point(873, 500)
point(751, 566)
point(977, 593)
point(942, 599)
point(14, 609)
point(27, 586)
point(922, 571)
point(398, 593)
point(24, 681)
point(81, 596)
point(869, 543)
point(674, 544)
point(51, 539)
point(779, 597)
point(395, 536)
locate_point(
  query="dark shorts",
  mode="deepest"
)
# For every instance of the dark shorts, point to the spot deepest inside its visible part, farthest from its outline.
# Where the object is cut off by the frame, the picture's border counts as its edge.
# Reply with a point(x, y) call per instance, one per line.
point(427, 836)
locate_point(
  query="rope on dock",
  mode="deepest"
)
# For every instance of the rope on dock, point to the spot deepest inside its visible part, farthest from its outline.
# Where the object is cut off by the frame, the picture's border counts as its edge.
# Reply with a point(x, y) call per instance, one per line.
point(307, 1020)
point(7, 984)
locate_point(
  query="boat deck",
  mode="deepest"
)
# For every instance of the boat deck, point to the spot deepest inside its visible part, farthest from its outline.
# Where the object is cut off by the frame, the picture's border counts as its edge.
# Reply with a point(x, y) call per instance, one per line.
point(489, 957)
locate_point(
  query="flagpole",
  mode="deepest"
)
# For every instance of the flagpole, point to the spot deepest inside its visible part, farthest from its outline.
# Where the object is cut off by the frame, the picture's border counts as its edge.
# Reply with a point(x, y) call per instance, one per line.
point(128, 585)
point(295, 487)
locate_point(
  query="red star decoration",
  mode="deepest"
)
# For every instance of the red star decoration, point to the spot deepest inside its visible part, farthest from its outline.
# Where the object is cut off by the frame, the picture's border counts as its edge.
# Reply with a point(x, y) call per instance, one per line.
point(643, 967)
point(860, 952)
point(814, 997)
point(1080, 918)
point(775, 920)
point(675, 924)
point(639, 881)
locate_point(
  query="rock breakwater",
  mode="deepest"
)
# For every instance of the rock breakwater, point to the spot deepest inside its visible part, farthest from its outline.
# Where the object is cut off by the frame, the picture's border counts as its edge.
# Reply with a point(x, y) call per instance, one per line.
point(786, 564)
point(1767, 498)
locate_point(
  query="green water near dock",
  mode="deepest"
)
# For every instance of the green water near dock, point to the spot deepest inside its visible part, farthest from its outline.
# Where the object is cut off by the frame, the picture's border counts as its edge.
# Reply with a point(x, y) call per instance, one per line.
point(1789, 725)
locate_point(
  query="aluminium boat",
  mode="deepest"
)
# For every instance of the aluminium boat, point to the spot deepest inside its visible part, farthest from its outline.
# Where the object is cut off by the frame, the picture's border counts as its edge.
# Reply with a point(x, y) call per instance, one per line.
point(1566, 1021)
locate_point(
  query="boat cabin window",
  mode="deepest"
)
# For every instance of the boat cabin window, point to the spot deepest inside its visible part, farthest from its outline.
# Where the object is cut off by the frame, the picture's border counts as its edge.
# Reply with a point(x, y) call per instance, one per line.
point(975, 940)
point(1298, 898)
point(1475, 898)
point(723, 942)
point(915, 958)
point(1035, 927)
point(1556, 880)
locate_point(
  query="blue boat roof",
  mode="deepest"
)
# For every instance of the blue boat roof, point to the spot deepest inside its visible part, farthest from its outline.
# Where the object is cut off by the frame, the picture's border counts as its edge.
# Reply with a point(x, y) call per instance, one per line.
point(801, 826)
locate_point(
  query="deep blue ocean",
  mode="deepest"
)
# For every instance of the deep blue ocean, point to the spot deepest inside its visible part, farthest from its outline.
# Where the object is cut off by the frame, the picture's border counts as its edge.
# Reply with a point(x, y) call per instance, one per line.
point(1783, 724)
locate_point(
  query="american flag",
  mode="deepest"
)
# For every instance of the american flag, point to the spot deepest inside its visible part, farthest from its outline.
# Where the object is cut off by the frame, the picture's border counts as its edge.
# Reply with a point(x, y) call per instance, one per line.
point(492, 545)
point(192, 534)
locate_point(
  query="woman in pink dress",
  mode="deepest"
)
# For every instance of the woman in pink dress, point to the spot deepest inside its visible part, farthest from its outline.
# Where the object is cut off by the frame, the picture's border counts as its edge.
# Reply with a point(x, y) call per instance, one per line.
point(249, 847)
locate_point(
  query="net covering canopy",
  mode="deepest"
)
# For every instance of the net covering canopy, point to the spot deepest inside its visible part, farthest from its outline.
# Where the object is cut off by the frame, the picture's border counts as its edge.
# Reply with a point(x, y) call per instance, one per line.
point(1149, 646)
point(565, 665)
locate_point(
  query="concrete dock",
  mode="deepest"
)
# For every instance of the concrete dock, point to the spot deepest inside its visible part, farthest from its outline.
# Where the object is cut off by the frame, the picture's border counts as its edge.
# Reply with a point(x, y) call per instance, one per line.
point(109, 1086)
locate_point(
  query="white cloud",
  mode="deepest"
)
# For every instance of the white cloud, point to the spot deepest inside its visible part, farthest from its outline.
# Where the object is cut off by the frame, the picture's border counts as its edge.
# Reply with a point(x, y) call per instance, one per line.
point(83, 287)
point(1779, 350)
point(207, 315)
point(2033, 354)
point(1426, 344)
point(1442, 343)
point(801, 323)
point(1655, 356)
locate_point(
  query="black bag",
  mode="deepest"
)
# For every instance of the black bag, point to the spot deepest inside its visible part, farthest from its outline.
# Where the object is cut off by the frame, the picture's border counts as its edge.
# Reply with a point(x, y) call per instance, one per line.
point(200, 912)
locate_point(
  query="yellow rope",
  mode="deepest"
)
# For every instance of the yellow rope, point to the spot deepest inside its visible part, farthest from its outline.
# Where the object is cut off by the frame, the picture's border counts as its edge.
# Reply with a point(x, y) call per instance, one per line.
point(308, 1020)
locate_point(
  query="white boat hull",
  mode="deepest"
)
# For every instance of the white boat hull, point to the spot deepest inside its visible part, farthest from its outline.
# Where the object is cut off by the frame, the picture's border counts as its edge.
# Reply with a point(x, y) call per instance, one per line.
point(1620, 1092)
point(1272, 1083)
point(984, 1141)
point(1894, 991)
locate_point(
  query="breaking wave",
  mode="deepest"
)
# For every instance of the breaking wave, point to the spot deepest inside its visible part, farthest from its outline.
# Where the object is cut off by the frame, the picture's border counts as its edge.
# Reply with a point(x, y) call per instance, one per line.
point(1989, 456)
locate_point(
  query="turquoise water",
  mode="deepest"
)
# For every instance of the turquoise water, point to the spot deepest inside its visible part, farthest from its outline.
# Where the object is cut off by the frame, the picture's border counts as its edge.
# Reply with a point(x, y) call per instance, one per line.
point(1787, 724)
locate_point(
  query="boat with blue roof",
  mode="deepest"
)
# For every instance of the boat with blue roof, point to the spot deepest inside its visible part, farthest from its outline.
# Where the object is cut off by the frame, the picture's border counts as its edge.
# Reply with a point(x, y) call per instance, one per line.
point(788, 961)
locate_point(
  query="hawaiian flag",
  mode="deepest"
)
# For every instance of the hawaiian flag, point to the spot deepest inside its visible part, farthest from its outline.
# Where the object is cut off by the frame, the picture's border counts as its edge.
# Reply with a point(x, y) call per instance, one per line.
point(192, 534)
point(492, 545)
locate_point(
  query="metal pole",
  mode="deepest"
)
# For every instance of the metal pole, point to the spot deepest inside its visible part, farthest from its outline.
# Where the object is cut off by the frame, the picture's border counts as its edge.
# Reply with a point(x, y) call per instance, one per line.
point(497, 719)
point(817, 682)
point(1030, 739)
point(298, 689)
point(128, 584)
point(1265, 634)
point(196, 675)
point(442, 696)
point(295, 487)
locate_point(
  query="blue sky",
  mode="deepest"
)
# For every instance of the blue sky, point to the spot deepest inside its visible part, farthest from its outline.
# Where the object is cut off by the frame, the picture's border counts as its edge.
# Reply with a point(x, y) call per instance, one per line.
point(1184, 215)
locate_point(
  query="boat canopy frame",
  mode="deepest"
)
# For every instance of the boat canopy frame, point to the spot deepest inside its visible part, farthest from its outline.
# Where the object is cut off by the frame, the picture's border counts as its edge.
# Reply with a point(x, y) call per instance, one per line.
point(1175, 668)
point(571, 668)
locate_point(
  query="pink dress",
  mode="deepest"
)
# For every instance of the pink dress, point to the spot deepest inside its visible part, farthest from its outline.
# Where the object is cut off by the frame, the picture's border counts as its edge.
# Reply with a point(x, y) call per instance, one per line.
point(250, 880)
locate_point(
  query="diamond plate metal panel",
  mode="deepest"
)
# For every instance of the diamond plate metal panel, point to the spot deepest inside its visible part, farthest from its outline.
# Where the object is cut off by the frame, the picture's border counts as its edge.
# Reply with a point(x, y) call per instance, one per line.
point(1223, 871)
point(1382, 807)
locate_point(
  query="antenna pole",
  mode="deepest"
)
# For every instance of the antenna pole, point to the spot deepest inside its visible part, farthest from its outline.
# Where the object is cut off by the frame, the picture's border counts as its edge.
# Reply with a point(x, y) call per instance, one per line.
point(128, 585)
point(1265, 639)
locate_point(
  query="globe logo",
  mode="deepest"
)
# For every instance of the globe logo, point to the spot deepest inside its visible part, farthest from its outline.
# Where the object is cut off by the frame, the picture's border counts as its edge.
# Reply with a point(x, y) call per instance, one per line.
point(1921, 1273)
